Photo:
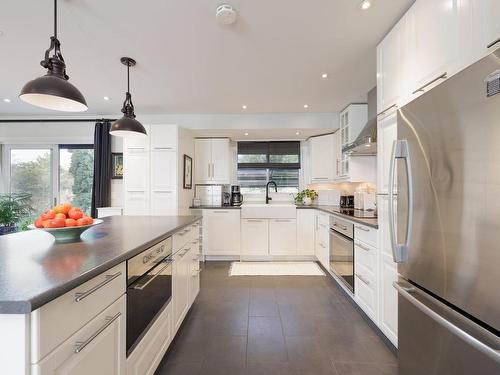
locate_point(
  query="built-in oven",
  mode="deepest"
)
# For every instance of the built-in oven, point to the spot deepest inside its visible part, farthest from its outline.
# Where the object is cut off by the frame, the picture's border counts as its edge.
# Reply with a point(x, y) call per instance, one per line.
point(342, 251)
point(149, 289)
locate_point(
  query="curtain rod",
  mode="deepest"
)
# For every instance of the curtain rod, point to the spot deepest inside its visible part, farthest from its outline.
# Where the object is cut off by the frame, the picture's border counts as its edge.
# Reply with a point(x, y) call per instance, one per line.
point(58, 120)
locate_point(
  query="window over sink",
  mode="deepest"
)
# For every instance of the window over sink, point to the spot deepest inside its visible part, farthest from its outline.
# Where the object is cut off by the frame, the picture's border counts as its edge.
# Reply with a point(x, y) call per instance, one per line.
point(261, 162)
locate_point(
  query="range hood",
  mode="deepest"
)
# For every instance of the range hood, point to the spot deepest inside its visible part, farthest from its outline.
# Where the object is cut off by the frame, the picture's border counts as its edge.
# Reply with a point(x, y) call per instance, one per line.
point(366, 142)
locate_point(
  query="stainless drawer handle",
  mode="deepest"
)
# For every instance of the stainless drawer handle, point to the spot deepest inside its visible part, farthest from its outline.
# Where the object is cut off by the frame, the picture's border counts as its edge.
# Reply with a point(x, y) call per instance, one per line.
point(320, 178)
point(493, 43)
point(79, 346)
point(387, 109)
point(282, 220)
point(107, 280)
point(363, 279)
point(323, 246)
point(221, 212)
point(361, 228)
point(163, 148)
point(340, 226)
point(362, 247)
point(185, 252)
point(183, 232)
point(142, 286)
point(422, 88)
point(196, 272)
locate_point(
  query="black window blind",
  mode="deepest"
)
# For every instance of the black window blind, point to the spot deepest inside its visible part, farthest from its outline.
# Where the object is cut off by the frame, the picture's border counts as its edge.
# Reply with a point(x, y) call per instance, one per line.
point(264, 155)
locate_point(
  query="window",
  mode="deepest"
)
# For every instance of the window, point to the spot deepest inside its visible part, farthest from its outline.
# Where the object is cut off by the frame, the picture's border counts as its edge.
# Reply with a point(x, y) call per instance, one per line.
point(50, 174)
point(261, 162)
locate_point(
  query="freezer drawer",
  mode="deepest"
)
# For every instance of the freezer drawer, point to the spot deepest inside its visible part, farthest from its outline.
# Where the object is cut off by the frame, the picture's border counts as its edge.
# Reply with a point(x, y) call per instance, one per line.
point(436, 340)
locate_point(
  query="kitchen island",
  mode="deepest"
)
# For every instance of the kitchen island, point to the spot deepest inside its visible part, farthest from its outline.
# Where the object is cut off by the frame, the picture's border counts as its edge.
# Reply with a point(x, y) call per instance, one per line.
point(63, 305)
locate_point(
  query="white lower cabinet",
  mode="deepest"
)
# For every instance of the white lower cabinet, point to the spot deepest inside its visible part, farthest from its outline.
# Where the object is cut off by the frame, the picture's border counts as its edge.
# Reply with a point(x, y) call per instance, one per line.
point(388, 310)
point(305, 231)
point(254, 237)
point(194, 272)
point(322, 239)
point(180, 285)
point(147, 355)
point(282, 236)
point(221, 232)
point(365, 282)
point(98, 348)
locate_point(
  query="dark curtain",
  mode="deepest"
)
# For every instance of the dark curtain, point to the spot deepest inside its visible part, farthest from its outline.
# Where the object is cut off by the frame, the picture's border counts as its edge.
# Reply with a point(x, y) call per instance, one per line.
point(101, 188)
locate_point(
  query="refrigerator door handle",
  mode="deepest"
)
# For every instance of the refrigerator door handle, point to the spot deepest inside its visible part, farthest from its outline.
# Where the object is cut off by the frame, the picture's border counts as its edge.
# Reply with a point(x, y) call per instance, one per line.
point(406, 290)
point(400, 251)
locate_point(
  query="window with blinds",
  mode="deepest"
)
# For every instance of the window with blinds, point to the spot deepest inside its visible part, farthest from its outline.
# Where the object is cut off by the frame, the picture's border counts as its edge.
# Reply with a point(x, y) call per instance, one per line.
point(261, 162)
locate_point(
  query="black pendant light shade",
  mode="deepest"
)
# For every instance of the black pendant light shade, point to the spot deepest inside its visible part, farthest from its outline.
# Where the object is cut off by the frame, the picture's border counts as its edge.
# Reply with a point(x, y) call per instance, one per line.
point(128, 126)
point(53, 91)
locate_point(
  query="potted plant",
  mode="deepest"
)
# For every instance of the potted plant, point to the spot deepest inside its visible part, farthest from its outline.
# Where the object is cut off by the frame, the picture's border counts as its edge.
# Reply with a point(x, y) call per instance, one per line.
point(306, 197)
point(13, 209)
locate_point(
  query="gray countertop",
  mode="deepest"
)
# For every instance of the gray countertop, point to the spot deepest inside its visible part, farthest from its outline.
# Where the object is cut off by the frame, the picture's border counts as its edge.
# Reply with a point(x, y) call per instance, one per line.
point(34, 269)
point(336, 210)
point(215, 208)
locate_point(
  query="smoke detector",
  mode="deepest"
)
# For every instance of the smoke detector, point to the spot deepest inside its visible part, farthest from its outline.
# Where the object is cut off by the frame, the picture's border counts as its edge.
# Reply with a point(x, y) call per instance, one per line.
point(225, 14)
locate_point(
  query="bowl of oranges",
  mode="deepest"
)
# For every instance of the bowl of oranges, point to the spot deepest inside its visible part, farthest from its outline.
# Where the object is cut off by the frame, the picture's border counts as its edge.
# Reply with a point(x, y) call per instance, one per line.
point(65, 222)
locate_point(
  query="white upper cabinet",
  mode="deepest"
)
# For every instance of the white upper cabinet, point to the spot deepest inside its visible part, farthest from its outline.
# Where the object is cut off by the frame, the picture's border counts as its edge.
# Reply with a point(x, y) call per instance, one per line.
point(352, 120)
point(390, 54)
point(163, 137)
point(163, 170)
point(337, 151)
point(322, 158)
point(139, 143)
point(212, 161)
point(386, 135)
point(434, 41)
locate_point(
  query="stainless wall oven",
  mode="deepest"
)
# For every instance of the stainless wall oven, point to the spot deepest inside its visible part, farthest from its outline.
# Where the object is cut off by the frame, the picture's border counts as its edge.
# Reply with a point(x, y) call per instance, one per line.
point(149, 289)
point(342, 251)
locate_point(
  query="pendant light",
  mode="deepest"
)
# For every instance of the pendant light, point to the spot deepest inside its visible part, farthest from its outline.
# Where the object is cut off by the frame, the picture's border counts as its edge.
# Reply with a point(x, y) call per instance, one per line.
point(53, 91)
point(128, 126)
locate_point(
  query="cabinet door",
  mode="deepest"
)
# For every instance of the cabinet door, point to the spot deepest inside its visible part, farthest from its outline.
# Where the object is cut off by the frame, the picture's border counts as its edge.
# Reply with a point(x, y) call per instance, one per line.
point(434, 41)
point(337, 155)
point(322, 158)
point(389, 56)
point(136, 170)
point(220, 161)
point(202, 161)
point(138, 143)
point(180, 285)
point(492, 23)
point(305, 232)
point(194, 271)
point(163, 137)
point(163, 170)
point(221, 232)
point(163, 203)
point(388, 300)
point(283, 236)
point(101, 344)
point(254, 237)
point(386, 135)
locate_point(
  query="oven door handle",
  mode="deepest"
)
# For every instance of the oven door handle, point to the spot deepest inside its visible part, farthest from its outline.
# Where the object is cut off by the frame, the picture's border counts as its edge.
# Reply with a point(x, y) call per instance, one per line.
point(142, 286)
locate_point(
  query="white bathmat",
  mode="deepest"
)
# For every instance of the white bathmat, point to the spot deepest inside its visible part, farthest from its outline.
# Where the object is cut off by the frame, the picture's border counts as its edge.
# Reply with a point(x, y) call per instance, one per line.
point(275, 269)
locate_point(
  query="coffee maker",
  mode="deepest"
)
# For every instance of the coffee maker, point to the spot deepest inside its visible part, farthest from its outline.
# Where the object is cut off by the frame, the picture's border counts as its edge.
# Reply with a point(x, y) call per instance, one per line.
point(236, 196)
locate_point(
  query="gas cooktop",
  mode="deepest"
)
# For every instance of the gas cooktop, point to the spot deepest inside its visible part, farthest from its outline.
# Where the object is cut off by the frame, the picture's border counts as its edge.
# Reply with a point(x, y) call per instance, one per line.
point(358, 213)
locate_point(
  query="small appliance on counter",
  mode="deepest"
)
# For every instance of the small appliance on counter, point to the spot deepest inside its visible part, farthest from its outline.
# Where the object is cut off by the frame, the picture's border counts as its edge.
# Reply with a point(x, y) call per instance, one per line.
point(346, 201)
point(209, 195)
point(364, 199)
point(236, 196)
point(226, 199)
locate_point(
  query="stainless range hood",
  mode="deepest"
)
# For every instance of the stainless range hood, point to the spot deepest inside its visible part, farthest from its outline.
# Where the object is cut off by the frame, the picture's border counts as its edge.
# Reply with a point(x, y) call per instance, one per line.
point(366, 142)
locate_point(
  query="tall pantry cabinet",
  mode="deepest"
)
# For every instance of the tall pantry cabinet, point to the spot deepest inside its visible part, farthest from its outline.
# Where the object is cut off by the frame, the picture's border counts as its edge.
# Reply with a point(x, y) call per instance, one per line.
point(150, 172)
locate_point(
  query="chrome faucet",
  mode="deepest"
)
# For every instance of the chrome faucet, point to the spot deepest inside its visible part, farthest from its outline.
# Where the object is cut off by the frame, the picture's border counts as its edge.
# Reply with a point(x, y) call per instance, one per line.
point(268, 198)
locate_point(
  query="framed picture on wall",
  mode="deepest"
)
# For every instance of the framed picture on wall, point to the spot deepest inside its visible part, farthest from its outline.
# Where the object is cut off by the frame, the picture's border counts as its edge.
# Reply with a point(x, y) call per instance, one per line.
point(188, 172)
point(117, 165)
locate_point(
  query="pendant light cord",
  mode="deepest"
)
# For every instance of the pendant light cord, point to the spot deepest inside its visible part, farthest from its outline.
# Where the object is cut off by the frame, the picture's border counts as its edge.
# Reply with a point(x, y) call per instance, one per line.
point(128, 77)
point(55, 19)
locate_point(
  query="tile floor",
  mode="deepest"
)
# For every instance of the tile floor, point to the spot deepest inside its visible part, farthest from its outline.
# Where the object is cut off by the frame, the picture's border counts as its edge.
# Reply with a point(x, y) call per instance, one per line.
point(276, 325)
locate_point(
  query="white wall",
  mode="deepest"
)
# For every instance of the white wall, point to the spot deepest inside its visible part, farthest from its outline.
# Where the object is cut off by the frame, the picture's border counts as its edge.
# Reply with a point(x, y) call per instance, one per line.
point(185, 147)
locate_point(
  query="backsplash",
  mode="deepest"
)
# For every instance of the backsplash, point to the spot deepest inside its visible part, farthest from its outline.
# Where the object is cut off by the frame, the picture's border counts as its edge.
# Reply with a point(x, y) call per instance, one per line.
point(329, 194)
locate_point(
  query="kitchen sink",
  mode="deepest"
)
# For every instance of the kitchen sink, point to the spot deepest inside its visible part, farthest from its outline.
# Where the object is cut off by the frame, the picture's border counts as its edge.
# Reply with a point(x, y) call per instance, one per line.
point(268, 211)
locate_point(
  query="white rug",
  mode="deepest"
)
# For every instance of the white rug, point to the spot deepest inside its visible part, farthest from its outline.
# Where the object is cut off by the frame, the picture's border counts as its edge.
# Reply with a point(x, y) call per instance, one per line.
point(275, 269)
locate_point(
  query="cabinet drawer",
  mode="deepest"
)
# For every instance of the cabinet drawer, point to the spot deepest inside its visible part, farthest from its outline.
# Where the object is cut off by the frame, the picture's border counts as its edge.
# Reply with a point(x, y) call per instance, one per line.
point(56, 321)
point(366, 234)
point(366, 256)
point(184, 236)
point(366, 294)
point(97, 348)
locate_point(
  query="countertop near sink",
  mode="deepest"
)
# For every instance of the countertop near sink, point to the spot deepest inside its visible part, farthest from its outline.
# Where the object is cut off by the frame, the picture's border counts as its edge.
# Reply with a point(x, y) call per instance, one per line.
point(34, 269)
point(215, 208)
point(336, 210)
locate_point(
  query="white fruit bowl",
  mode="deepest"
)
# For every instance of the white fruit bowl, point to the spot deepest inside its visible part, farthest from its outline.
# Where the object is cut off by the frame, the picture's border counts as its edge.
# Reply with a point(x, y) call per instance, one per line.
point(67, 233)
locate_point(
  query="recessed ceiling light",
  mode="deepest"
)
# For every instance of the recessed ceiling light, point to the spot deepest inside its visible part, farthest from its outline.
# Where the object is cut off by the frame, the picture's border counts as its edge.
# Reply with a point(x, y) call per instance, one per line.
point(106, 98)
point(7, 100)
point(324, 75)
point(365, 4)
point(244, 106)
point(297, 133)
point(306, 106)
point(246, 133)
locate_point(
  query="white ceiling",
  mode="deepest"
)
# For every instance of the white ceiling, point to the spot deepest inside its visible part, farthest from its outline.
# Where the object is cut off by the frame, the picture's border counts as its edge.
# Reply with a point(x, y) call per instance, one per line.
point(271, 59)
point(259, 134)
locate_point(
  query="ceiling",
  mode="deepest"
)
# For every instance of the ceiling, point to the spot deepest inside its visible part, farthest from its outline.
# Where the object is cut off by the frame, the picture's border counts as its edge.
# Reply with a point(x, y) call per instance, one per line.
point(259, 134)
point(271, 59)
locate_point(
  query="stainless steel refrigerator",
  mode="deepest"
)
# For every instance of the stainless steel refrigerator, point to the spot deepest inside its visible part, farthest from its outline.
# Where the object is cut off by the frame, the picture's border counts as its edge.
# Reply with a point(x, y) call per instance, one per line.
point(445, 225)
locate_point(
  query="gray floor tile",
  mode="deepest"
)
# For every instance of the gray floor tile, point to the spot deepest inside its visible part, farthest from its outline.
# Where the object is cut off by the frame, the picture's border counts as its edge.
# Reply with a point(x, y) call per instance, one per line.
point(262, 349)
point(226, 351)
point(364, 369)
point(179, 368)
point(269, 369)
